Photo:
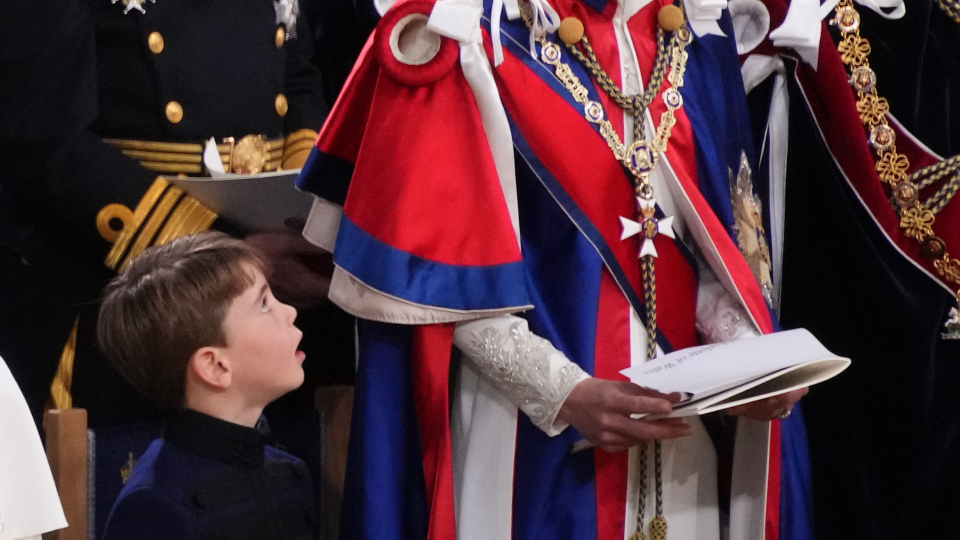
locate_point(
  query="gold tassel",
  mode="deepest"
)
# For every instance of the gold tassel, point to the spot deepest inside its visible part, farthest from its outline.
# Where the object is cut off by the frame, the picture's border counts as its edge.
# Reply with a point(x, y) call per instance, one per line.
point(658, 528)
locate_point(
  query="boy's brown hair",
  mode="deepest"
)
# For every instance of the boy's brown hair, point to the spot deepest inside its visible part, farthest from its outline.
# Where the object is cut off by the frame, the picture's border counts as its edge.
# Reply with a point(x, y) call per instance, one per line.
point(170, 302)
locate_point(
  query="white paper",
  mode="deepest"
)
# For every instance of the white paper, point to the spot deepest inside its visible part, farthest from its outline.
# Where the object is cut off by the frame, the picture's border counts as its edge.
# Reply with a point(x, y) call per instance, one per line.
point(253, 202)
point(212, 159)
point(710, 376)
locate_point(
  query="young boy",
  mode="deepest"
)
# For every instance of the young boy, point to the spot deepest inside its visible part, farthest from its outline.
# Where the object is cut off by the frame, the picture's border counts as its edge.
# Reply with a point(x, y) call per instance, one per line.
point(194, 327)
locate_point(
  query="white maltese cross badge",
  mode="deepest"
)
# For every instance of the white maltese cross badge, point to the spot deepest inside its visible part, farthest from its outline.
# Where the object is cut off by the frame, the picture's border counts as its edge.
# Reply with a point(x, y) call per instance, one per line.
point(133, 4)
point(649, 226)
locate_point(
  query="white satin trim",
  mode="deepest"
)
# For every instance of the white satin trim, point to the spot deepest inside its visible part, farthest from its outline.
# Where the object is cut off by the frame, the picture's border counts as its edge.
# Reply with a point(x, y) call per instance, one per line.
point(702, 15)
point(801, 27)
point(755, 69)
point(363, 301)
point(544, 20)
point(751, 23)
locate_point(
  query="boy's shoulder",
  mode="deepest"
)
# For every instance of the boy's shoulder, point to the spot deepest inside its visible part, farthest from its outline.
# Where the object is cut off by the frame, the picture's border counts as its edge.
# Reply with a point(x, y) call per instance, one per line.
point(171, 486)
point(271, 453)
point(277, 459)
point(147, 508)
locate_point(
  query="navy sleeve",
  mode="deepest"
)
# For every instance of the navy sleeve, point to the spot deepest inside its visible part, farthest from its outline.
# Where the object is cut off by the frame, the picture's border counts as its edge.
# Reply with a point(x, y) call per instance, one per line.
point(146, 515)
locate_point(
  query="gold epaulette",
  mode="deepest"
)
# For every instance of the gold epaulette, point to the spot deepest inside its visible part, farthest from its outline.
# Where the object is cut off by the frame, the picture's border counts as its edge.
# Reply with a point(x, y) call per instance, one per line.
point(249, 154)
point(164, 213)
point(297, 147)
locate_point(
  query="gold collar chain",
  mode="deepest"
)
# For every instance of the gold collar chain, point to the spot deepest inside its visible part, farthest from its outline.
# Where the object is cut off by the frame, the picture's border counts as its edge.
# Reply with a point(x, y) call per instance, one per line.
point(916, 217)
point(951, 8)
point(640, 158)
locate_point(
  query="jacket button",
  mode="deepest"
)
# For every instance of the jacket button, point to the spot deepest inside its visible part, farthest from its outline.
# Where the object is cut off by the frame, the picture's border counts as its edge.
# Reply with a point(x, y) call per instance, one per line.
point(155, 42)
point(280, 38)
point(281, 104)
point(175, 112)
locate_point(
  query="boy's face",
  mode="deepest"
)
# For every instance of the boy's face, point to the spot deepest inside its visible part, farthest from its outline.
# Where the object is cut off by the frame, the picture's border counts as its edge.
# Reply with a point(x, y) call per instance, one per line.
point(262, 343)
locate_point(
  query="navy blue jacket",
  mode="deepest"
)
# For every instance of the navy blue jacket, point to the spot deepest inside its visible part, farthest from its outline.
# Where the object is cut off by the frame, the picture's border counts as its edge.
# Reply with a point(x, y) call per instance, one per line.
point(212, 479)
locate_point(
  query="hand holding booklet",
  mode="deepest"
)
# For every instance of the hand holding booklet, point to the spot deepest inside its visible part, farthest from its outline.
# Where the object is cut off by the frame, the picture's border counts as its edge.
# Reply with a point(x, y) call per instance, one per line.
point(723, 375)
point(253, 202)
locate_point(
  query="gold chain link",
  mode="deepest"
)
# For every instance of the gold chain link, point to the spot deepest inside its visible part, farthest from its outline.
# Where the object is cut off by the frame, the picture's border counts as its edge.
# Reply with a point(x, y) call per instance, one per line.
point(916, 217)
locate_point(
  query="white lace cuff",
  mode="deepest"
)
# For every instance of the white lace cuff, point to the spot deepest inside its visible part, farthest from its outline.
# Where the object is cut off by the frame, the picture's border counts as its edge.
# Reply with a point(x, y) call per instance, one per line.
point(529, 371)
point(719, 316)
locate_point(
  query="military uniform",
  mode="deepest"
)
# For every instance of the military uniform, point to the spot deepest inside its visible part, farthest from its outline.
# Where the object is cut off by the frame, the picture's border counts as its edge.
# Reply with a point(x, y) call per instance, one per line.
point(100, 98)
point(211, 479)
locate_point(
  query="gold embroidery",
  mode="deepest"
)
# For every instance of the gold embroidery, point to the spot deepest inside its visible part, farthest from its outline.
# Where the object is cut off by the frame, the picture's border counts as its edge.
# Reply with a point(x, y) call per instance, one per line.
point(127, 470)
point(135, 219)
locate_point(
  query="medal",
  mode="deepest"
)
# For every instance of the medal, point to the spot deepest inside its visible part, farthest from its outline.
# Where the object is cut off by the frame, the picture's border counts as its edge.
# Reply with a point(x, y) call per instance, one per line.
point(952, 325)
point(132, 4)
point(287, 11)
point(649, 226)
point(748, 226)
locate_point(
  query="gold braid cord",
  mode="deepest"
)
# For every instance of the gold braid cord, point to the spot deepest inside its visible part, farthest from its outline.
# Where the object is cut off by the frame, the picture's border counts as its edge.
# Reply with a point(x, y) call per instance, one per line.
point(297, 147)
point(642, 503)
point(164, 213)
point(640, 158)
point(916, 217)
point(951, 8)
point(650, 303)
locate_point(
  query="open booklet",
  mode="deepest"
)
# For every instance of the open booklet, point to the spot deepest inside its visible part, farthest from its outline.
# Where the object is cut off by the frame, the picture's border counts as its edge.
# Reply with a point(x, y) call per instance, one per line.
point(723, 375)
point(252, 202)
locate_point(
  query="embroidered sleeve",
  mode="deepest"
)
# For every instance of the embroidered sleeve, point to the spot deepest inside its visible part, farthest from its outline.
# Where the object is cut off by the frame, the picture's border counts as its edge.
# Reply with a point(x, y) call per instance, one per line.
point(525, 367)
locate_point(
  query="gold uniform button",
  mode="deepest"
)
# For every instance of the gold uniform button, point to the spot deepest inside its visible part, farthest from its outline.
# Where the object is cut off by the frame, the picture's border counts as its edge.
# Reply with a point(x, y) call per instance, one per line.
point(281, 104)
point(281, 37)
point(174, 112)
point(155, 42)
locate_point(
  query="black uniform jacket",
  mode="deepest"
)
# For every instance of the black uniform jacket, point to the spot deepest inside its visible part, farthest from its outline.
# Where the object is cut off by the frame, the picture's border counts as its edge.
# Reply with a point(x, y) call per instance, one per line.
point(211, 479)
point(74, 72)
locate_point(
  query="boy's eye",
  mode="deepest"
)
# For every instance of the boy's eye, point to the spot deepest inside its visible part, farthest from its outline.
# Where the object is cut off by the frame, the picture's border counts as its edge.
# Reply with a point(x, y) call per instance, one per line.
point(264, 307)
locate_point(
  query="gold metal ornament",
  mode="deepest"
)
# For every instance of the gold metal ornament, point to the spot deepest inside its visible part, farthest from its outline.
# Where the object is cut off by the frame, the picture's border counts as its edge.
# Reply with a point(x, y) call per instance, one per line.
point(748, 225)
point(949, 268)
point(873, 110)
point(250, 155)
point(892, 168)
point(854, 50)
point(917, 222)
point(155, 42)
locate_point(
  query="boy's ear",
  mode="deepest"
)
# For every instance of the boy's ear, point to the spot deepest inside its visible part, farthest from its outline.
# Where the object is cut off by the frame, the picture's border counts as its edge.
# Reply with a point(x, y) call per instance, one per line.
point(211, 367)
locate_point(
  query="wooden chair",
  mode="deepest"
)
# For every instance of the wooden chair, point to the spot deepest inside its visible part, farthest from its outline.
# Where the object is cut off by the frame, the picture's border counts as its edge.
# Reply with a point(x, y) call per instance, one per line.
point(67, 453)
